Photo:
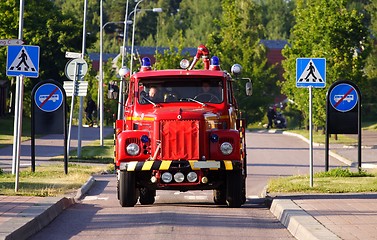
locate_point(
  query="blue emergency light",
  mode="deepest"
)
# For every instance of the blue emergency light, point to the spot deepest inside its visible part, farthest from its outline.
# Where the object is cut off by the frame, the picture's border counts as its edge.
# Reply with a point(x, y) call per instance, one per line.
point(215, 63)
point(144, 139)
point(145, 62)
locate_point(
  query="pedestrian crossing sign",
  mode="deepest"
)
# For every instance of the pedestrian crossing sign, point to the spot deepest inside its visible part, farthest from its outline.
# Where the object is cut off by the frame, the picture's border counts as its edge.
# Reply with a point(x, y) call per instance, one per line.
point(311, 72)
point(23, 60)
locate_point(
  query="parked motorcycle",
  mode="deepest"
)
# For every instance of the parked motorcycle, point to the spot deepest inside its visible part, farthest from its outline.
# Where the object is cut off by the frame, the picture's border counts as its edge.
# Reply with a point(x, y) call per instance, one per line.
point(280, 121)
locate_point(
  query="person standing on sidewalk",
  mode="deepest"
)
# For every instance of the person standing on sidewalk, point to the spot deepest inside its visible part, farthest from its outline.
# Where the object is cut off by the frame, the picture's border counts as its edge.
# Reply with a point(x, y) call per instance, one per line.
point(271, 115)
point(89, 110)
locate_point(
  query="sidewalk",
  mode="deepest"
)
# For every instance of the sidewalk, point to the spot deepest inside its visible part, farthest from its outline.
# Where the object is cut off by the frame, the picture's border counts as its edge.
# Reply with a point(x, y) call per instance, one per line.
point(334, 216)
point(21, 217)
point(328, 216)
point(318, 216)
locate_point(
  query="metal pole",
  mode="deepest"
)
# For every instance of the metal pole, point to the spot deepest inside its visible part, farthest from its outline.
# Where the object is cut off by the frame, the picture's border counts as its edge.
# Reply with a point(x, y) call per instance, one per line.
point(310, 136)
point(121, 84)
point(18, 110)
point(19, 98)
point(20, 106)
point(101, 77)
point(81, 97)
point(75, 79)
point(359, 130)
point(15, 126)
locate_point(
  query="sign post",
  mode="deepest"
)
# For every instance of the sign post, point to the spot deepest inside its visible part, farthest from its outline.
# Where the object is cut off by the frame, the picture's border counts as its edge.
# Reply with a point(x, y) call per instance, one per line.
point(75, 70)
point(22, 61)
point(9, 42)
point(311, 72)
point(48, 114)
point(343, 111)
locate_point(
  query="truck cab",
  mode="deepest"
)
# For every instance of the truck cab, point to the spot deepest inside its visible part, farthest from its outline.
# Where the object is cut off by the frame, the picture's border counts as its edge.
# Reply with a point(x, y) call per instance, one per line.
point(181, 131)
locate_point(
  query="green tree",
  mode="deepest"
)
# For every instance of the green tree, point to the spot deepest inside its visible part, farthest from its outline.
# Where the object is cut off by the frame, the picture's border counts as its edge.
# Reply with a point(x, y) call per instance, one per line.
point(75, 9)
point(197, 20)
point(238, 41)
point(277, 18)
point(46, 27)
point(170, 58)
point(324, 29)
point(370, 107)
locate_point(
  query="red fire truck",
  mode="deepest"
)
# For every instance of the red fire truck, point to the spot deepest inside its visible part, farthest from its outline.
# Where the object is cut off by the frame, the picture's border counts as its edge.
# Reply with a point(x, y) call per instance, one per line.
point(181, 131)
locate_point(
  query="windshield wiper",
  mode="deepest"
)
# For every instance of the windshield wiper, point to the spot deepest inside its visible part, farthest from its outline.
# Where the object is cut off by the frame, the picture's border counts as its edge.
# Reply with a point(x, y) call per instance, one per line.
point(194, 100)
point(150, 101)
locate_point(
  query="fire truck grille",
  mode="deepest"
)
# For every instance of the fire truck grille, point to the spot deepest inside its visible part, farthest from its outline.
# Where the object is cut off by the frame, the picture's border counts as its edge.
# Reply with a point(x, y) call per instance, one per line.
point(225, 139)
point(132, 140)
point(180, 140)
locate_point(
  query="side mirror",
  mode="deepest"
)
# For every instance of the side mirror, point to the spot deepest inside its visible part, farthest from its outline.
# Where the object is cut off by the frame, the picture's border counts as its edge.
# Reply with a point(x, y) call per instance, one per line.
point(113, 91)
point(249, 89)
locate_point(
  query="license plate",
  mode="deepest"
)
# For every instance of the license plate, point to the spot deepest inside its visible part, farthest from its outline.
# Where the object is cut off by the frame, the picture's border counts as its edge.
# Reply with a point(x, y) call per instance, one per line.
point(206, 164)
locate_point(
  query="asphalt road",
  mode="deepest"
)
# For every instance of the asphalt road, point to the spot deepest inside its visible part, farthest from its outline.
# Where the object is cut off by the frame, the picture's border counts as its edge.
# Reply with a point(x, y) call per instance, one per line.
point(190, 215)
point(173, 216)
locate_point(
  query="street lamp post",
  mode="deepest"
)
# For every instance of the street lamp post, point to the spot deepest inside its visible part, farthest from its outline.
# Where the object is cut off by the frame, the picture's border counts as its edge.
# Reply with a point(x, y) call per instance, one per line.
point(100, 85)
point(133, 36)
point(102, 26)
point(121, 85)
point(133, 30)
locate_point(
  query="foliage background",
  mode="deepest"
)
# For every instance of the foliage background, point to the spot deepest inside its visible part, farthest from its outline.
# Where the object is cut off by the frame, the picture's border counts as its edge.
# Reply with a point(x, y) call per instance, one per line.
point(341, 31)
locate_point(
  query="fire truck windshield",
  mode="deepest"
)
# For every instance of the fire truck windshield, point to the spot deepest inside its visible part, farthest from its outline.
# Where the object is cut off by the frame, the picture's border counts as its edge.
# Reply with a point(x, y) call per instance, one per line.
point(206, 90)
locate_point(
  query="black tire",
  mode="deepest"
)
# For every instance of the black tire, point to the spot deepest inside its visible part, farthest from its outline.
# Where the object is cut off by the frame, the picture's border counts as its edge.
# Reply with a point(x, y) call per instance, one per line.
point(219, 196)
point(234, 189)
point(118, 189)
point(243, 191)
point(127, 189)
point(147, 197)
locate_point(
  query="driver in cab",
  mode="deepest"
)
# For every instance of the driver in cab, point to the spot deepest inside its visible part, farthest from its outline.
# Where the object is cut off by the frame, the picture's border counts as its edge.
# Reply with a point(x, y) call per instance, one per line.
point(206, 94)
point(152, 95)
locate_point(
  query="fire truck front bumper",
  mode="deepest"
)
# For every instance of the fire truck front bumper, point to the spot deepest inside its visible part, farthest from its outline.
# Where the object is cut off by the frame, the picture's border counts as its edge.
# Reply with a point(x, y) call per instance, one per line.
point(181, 175)
point(193, 165)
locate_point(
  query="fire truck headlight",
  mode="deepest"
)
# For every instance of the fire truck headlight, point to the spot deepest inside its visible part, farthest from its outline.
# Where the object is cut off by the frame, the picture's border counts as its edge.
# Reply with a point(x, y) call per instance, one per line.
point(167, 177)
point(192, 177)
point(133, 149)
point(179, 177)
point(226, 148)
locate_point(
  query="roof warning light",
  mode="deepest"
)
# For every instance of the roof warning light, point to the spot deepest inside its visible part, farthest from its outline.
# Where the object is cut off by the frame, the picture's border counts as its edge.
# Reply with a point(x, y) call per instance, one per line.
point(215, 63)
point(145, 64)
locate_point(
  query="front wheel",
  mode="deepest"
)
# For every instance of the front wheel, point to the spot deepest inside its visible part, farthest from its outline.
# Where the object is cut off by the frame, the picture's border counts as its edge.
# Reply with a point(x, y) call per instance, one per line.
point(147, 196)
point(219, 196)
point(234, 189)
point(127, 189)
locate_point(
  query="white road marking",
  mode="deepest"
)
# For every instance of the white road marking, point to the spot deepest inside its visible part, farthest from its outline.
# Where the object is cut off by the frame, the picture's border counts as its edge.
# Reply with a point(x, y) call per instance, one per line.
point(93, 198)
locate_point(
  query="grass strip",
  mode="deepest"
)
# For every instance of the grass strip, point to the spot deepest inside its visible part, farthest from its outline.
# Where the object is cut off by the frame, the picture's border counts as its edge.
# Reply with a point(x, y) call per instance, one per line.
point(337, 180)
point(49, 180)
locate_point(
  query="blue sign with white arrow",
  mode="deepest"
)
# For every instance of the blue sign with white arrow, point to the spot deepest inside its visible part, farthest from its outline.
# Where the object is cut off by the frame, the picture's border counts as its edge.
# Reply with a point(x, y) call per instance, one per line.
point(311, 72)
point(23, 60)
point(48, 97)
point(343, 97)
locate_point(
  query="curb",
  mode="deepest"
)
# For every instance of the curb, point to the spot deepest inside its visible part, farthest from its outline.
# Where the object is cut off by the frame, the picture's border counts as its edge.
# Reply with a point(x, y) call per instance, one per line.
point(80, 193)
point(298, 222)
point(331, 153)
point(33, 219)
